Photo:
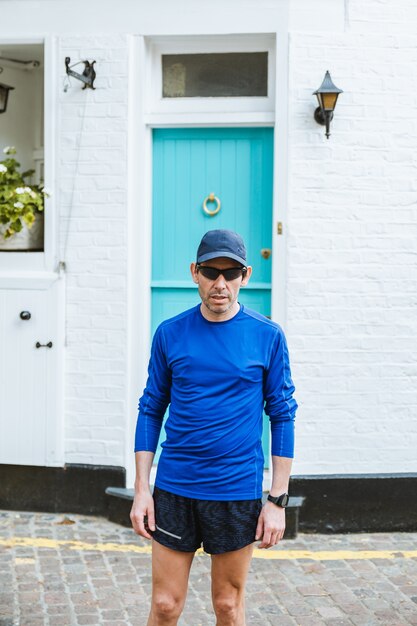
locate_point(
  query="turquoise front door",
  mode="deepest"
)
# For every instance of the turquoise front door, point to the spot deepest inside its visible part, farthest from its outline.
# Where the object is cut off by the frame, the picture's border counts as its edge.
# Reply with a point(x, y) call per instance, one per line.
point(234, 164)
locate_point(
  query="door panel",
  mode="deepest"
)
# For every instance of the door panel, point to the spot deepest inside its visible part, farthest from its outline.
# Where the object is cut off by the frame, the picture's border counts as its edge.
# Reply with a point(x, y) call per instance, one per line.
point(189, 164)
point(29, 423)
point(235, 164)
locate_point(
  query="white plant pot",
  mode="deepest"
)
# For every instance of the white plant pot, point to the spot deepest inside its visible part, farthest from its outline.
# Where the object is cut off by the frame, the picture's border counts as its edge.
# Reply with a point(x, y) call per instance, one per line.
point(31, 239)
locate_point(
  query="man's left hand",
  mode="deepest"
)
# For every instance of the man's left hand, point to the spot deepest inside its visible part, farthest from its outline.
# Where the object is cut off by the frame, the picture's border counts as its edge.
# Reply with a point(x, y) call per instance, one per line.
point(271, 525)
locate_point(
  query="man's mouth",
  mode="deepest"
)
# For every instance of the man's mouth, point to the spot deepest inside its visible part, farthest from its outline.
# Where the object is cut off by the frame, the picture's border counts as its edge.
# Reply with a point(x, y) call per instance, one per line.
point(218, 297)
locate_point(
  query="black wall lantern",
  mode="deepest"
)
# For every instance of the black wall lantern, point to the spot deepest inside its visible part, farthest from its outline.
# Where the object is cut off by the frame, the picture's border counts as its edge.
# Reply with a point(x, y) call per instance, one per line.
point(4, 89)
point(327, 95)
point(4, 96)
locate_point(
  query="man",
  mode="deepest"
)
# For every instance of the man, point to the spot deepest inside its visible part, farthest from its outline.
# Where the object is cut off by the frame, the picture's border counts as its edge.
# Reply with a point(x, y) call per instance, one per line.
point(217, 366)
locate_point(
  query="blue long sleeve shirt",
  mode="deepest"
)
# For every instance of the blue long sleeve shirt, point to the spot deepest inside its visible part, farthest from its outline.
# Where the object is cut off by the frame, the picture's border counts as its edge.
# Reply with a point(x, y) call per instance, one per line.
point(217, 379)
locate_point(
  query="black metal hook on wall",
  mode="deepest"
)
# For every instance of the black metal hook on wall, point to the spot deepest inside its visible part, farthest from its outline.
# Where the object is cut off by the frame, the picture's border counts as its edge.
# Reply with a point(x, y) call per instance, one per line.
point(87, 77)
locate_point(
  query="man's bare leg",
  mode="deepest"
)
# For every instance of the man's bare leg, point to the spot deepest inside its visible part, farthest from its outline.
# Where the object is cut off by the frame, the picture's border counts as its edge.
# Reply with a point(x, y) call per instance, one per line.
point(170, 572)
point(228, 578)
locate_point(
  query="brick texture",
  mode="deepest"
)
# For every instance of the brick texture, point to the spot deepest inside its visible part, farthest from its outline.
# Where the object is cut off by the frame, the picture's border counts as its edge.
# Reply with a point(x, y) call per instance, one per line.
point(352, 265)
point(93, 244)
point(351, 260)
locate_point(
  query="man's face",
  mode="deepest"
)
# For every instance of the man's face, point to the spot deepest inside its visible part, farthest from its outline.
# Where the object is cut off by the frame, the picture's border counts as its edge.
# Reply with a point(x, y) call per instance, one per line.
point(219, 297)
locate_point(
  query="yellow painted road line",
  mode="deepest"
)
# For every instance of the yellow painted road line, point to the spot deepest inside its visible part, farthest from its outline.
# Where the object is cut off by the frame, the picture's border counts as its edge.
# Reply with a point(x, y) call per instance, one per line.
point(277, 554)
point(334, 555)
point(42, 542)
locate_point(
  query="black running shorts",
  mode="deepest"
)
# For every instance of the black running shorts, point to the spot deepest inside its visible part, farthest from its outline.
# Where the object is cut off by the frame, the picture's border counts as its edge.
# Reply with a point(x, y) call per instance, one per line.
point(185, 523)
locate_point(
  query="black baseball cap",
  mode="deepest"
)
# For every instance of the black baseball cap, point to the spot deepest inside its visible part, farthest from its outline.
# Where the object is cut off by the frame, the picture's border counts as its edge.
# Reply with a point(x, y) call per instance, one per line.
point(221, 243)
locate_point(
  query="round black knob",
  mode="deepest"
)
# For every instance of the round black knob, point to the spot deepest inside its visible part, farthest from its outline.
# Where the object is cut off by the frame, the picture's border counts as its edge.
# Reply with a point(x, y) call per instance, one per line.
point(25, 315)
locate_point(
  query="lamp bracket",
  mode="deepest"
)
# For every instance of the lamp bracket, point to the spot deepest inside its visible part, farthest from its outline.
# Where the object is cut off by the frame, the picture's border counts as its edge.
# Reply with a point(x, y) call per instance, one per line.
point(320, 117)
point(324, 118)
point(87, 77)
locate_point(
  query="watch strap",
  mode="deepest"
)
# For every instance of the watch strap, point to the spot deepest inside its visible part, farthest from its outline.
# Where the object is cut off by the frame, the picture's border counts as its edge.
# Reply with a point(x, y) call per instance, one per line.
point(281, 500)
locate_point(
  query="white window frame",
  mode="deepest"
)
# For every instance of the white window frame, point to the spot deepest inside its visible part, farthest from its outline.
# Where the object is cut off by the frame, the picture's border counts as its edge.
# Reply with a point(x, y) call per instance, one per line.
point(220, 111)
point(46, 261)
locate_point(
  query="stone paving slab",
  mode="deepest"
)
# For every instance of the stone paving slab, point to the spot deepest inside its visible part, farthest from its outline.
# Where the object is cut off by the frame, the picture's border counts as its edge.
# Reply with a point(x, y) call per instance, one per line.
point(73, 570)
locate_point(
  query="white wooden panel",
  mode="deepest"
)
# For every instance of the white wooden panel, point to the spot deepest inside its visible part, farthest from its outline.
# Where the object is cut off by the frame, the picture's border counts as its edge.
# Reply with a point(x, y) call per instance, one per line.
point(29, 377)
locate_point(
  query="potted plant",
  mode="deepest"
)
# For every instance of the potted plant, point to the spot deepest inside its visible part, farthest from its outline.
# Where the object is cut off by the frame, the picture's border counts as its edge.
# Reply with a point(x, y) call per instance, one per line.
point(21, 205)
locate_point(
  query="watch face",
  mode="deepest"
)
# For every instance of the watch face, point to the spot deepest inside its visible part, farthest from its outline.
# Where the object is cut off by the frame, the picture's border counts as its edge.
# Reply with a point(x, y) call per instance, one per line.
point(284, 499)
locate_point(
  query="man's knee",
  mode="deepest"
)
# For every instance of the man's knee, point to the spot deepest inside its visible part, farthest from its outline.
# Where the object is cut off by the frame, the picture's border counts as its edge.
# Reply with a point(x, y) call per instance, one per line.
point(227, 606)
point(166, 606)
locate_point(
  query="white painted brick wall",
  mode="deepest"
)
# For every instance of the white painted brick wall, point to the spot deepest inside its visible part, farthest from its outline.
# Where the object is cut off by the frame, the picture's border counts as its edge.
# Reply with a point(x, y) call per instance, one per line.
point(352, 261)
point(352, 265)
point(93, 238)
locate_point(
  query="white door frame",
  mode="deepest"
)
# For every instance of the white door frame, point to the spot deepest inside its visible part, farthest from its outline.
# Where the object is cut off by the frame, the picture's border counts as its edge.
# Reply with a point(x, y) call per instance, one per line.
point(141, 124)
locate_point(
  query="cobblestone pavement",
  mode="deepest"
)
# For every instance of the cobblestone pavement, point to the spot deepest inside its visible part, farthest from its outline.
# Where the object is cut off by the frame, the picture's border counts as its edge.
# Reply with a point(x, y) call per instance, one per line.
point(74, 570)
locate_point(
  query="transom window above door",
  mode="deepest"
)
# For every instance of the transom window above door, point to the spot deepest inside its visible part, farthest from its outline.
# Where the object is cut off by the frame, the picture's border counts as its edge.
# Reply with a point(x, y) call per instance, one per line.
point(215, 75)
point(211, 75)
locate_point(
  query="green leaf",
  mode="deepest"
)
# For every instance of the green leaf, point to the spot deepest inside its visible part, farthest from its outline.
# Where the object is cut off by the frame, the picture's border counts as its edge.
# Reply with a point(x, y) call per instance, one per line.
point(16, 226)
point(29, 219)
point(28, 173)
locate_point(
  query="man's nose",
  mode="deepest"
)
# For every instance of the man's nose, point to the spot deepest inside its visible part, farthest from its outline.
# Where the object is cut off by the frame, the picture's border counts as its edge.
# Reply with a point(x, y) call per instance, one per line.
point(220, 282)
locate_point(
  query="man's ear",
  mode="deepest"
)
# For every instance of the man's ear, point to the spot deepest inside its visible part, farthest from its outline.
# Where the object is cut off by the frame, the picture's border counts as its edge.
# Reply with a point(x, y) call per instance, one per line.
point(248, 274)
point(194, 272)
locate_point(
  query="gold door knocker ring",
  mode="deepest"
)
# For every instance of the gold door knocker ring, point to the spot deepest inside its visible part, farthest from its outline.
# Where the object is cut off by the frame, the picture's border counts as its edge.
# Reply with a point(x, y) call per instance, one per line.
point(211, 198)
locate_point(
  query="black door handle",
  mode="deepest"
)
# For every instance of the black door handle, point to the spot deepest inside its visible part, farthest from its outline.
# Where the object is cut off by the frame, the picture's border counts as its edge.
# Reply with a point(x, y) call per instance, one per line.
point(43, 345)
point(25, 315)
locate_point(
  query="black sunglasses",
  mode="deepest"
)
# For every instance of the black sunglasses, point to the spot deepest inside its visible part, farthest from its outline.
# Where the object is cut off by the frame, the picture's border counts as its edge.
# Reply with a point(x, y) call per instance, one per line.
point(212, 273)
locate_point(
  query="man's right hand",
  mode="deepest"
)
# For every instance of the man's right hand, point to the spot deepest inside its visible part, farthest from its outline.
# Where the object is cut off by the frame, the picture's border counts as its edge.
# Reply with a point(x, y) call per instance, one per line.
point(143, 506)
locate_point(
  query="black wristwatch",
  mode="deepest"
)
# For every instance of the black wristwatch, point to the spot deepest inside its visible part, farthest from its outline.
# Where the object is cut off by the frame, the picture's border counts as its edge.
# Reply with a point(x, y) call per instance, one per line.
point(281, 500)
